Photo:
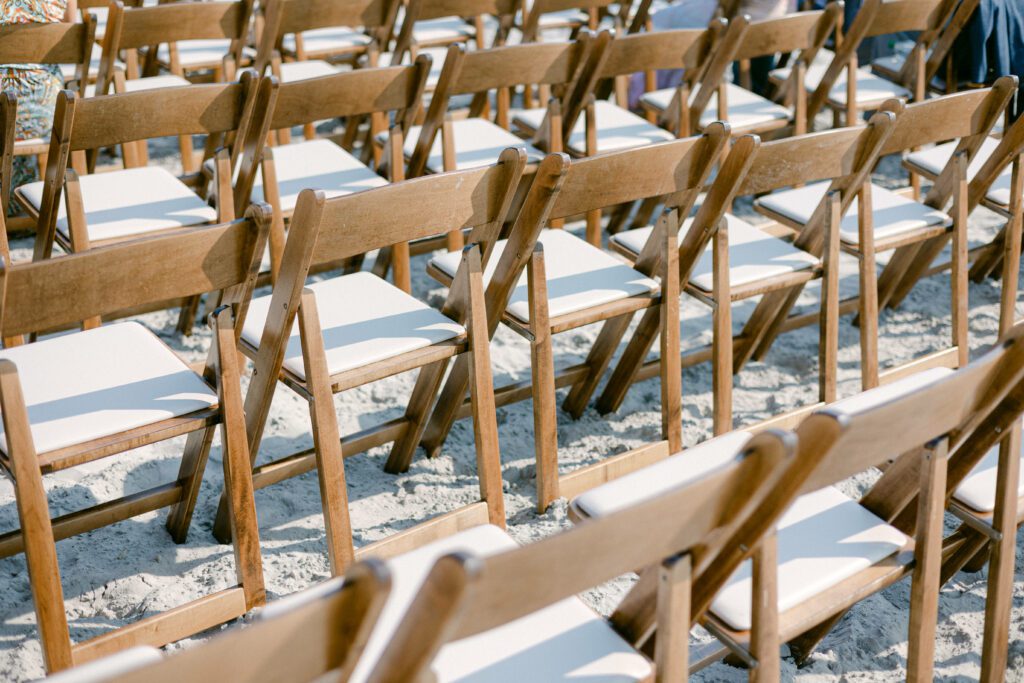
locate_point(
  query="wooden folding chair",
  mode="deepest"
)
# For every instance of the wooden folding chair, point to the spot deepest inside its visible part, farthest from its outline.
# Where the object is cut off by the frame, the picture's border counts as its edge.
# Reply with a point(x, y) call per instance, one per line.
point(725, 259)
point(539, 16)
point(121, 388)
point(569, 283)
point(60, 44)
point(479, 606)
point(203, 58)
point(832, 86)
point(897, 222)
point(186, 28)
point(937, 41)
point(321, 164)
point(444, 144)
point(283, 18)
point(128, 203)
point(830, 551)
point(357, 328)
point(301, 638)
point(605, 127)
point(434, 25)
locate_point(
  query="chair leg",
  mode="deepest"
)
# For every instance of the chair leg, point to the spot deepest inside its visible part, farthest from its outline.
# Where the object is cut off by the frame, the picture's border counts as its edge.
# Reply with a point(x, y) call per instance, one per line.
point(447, 407)
point(868, 322)
point(721, 341)
point(416, 413)
point(542, 366)
point(764, 635)
point(193, 464)
point(597, 362)
point(900, 266)
point(330, 468)
point(630, 363)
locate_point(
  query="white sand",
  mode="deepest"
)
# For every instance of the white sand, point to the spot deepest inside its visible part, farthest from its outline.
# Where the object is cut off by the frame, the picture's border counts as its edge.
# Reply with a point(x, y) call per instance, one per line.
point(116, 575)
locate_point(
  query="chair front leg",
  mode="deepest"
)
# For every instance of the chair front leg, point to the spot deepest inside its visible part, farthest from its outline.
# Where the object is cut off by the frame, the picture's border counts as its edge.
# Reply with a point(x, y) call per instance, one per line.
point(828, 326)
point(958, 275)
point(721, 340)
point(330, 465)
point(36, 528)
point(852, 113)
point(868, 292)
point(672, 647)
point(542, 366)
point(671, 362)
point(764, 631)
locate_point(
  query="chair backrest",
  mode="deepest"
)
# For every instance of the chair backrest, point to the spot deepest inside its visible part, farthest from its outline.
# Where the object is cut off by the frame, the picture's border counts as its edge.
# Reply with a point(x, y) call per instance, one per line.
point(531, 22)
point(55, 293)
point(465, 595)
point(284, 17)
point(396, 89)
point(844, 156)
point(56, 43)
point(685, 49)
point(424, 10)
point(215, 110)
point(563, 66)
point(1010, 146)
point(968, 117)
point(320, 632)
point(941, 39)
point(139, 27)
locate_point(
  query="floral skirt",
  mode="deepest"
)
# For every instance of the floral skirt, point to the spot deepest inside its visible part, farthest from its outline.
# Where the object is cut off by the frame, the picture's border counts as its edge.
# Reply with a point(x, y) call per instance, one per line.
point(36, 90)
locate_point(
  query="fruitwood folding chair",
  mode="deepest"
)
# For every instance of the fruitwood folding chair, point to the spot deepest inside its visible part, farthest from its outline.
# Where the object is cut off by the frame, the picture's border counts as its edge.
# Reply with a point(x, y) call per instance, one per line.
point(128, 203)
point(832, 87)
point(121, 388)
point(725, 259)
point(321, 164)
point(896, 221)
point(283, 18)
point(604, 126)
point(477, 606)
point(434, 25)
point(300, 638)
point(60, 44)
point(830, 551)
point(357, 328)
point(572, 15)
point(183, 26)
point(569, 283)
point(937, 41)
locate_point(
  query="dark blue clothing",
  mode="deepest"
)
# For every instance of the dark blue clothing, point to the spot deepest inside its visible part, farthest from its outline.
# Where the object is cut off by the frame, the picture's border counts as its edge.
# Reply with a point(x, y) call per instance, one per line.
point(992, 44)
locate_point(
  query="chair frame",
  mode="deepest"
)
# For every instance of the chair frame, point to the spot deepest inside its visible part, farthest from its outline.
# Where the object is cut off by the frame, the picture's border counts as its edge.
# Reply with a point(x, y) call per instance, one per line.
point(223, 257)
point(326, 230)
point(589, 184)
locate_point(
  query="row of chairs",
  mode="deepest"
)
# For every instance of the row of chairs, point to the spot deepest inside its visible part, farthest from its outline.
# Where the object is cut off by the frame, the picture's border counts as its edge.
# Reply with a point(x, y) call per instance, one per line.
point(745, 534)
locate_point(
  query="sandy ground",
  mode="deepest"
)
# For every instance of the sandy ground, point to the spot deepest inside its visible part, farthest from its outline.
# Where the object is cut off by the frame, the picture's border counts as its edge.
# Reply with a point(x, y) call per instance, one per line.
point(119, 574)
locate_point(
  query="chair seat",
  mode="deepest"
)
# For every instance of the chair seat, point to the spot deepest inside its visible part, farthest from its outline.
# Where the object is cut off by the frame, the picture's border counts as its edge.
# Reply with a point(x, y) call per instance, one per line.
point(894, 214)
point(442, 30)
point(823, 539)
point(311, 68)
point(437, 57)
point(88, 385)
point(662, 477)
point(566, 18)
point(978, 489)
point(206, 52)
point(872, 89)
point(744, 108)
point(579, 276)
point(364, 319)
point(754, 255)
point(933, 160)
point(617, 128)
point(478, 142)
point(566, 641)
point(329, 40)
point(67, 71)
point(319, 165)
point(130, 202)
point(148, 83)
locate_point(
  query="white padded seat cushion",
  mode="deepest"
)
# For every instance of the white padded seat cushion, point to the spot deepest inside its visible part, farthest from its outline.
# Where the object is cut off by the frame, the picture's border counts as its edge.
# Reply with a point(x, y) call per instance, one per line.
point(364, 319)
point(129, 202)
point(662, 477)
point(563, 19)
point(934, 160)
point(320, 165)
point(744, 109)
point(437, 57)
point(442, 29)
point(192, 53)
point(754, 255)
point(617, 128)
point(566, 641)
point(478, 142)
point(893, 214)
point(978, 489)
point(87, 385)
point(311, 68)
point(334, 38)
point(148, 83)
point(109, 667)
point(579, 276)
point(871, 88)
point(823, 539)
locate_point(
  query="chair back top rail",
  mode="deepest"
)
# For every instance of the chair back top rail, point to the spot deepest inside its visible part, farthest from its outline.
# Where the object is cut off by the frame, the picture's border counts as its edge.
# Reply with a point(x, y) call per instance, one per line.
point(56, 43)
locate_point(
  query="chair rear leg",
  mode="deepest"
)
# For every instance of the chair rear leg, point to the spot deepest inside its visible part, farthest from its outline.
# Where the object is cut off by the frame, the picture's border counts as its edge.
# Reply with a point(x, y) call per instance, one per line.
point(447, 407)
point(630, 363)
point(597, 362)
point(416, 413)
point(193, 464)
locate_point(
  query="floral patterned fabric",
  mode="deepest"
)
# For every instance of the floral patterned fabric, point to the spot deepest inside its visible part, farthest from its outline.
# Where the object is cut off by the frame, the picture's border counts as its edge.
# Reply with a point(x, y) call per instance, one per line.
point(35, 86)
